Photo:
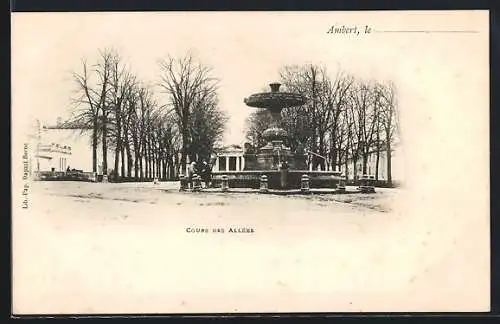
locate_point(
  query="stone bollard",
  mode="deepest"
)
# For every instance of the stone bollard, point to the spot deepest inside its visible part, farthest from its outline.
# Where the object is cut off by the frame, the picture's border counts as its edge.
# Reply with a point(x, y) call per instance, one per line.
point(182, 182)
point(196, 182)
point(225, 183)
point(304, 183)
point(367, 184)
point(105, 178)
point(93, 177)
point(263, 184)
point(372, 184)
point(341, 185)
point(156, 181)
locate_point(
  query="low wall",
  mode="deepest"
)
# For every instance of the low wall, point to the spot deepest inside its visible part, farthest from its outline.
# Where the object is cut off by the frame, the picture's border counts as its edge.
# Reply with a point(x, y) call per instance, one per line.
point(64, 176)
point(377, 183)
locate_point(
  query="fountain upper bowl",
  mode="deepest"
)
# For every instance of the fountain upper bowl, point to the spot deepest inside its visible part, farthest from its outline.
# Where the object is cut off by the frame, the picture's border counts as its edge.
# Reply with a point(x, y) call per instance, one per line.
point(275, 100)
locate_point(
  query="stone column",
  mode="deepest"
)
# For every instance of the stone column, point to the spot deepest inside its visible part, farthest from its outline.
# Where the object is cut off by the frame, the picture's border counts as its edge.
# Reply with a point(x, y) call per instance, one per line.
point(242, 163)
point(227, 163)
point(217, 164)
point(238, 163)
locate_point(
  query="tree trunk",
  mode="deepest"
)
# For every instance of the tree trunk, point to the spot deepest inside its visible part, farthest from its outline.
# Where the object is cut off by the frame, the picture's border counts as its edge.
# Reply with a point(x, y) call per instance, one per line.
point(346, 167)
point(117, 160)
point(94, 146)
point(340, 156)
point(176, 164)
point(128, 152)
point(117, 157)
point(335, 158)
point(104, 147)
point(158, 163)
point(389, 164)
point(377, 161)
point(152, 160)
point(139, 167)
point(123, 162)
point(322, 152)
point(136, 167)
point(140, 160)
point(365, 162)
point(129, 161)
point(147, 155)
point(165, 166)
point(355, 168)
point(158, 166)
point(146, 159)
point(118, 148)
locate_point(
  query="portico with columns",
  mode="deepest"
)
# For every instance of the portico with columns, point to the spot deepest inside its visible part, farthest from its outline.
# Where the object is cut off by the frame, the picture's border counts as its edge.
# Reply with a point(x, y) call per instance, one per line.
point(229, 159)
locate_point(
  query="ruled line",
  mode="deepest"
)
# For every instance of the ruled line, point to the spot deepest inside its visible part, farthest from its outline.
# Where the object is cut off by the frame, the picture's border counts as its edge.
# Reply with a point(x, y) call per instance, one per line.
point(428, 31)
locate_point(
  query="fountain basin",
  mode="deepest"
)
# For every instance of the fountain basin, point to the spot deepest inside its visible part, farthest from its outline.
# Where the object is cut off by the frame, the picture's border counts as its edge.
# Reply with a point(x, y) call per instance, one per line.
point(251, 179)
point(267, 160)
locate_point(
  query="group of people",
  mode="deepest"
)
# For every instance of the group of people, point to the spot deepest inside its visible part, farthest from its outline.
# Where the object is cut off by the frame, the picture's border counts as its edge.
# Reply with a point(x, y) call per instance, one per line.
point(203, 169)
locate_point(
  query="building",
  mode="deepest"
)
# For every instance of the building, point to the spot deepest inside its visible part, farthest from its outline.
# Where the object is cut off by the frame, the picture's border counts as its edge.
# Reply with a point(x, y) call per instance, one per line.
point(397, 174)
point(52, 157)
point(57, 148)
point(229, 158)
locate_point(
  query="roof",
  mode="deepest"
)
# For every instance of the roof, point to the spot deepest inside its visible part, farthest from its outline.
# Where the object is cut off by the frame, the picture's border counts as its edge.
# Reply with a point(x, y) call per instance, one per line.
point(229, 148)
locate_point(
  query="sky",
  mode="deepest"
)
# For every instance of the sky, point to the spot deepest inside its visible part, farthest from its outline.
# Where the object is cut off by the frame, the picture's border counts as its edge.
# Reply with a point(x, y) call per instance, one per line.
point(246, 50)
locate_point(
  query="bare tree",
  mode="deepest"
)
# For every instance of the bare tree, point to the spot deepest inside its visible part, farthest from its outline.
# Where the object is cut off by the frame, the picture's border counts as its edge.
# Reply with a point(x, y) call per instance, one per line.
point(366, 112)
point(122, 84)
point(256, 123)
point(165, 133)
point(306, 80)
point(86, 103)
point(389, 114)
point(142, 120)
point(207, 125)
point(337, 96)
point(90, 100)
point(184, 81)
point(317, 123)
point(353, 135)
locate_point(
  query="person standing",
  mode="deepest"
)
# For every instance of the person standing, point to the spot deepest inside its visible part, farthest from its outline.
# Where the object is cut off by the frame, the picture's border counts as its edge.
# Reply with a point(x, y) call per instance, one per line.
point(207, 174)
point(191, 172)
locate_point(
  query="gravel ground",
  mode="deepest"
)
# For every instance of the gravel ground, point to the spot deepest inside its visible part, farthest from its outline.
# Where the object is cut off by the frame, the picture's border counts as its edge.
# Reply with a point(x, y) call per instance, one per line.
point(125, 248)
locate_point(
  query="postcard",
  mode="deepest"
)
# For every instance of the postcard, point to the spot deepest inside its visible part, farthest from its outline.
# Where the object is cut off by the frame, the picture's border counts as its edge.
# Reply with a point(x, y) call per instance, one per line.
point(250, 162)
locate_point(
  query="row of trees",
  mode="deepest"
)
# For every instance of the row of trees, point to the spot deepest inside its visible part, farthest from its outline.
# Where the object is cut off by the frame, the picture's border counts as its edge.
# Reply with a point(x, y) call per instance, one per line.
point(150, 137)
point(345, 119)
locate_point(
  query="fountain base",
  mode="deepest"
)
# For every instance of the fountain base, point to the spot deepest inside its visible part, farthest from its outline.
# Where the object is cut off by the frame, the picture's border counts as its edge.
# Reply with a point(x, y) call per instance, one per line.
point(251, 179)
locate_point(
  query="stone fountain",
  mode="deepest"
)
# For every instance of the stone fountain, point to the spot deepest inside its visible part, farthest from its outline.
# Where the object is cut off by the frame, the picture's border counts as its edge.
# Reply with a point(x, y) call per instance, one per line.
point(274, 152)
point(283, 167)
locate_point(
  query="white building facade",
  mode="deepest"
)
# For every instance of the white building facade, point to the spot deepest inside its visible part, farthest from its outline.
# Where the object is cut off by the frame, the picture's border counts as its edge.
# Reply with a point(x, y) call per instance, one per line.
point(397, 166)
point(229, 158)
point(57, 149)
